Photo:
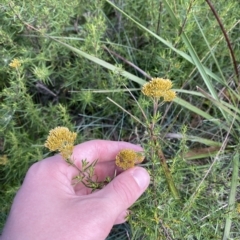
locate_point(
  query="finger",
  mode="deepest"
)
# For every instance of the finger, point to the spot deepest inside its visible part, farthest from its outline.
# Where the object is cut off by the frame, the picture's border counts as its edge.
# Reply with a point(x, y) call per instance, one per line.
point(125, 189)
point(122, 217)
point(101, 150)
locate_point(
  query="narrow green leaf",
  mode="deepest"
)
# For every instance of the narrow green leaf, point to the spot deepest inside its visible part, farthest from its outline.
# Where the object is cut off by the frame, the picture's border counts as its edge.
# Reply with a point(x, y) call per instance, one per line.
point(210, 50)
point(205, 141)
point(232, 196)
point(198, 111)
point(103, 63)
point(229, 115)
point(193, 53)
point(168, 44)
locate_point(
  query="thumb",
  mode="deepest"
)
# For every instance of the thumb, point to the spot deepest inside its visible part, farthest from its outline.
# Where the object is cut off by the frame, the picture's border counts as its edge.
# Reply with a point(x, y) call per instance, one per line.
point(126, 188)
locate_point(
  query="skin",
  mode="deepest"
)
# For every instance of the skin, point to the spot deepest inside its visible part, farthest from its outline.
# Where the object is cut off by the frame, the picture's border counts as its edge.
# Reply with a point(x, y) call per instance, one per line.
point(48, 206)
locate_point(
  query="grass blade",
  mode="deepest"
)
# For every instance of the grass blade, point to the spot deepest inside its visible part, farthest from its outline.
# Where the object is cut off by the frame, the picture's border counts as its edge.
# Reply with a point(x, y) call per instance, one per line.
point(168, 44)
point(198, 111)
point(193, 54)
point(232, 196)
point(103, 63)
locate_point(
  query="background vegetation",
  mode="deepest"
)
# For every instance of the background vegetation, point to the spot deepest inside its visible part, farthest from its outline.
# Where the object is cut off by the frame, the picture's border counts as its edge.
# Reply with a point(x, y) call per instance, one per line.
point(75, 54)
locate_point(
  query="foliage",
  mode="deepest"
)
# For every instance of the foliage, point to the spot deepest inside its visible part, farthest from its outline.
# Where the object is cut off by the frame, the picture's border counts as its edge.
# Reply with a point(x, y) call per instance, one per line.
point(75, 54)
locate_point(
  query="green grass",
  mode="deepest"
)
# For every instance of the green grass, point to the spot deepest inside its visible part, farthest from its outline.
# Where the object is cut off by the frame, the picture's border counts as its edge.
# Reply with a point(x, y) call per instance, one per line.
point(77, 57)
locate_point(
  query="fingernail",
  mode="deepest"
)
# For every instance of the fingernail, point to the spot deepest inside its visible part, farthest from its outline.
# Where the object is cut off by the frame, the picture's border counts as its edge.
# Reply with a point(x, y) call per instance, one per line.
point(141, 177)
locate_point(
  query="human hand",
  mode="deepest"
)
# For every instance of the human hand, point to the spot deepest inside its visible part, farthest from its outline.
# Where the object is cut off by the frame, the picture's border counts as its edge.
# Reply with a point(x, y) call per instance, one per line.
point(48, 206)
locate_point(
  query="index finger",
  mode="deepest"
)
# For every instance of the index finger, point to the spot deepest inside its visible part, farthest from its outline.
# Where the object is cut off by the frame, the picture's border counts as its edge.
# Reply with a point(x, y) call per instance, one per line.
point(101, 150)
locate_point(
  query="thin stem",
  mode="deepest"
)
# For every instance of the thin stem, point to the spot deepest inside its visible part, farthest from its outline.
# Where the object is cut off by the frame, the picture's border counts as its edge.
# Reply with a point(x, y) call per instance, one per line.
point(168, 174)
point(232, 196)
point(128, 62)
point(159, 153)
point(226, 37)
point(155, 108)
point(159, 18)
point(185, 20)
point(126, 111)
point(143, 113)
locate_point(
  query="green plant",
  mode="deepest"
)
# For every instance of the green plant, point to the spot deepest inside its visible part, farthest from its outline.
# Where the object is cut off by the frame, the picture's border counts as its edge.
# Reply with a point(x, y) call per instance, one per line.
point(75, 54)
point(61, 139)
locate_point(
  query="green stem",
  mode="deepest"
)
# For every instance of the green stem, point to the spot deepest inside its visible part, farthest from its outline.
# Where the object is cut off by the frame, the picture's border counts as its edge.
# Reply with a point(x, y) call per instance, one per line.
point(232, 197)
point(160, 154)
point(168, 174)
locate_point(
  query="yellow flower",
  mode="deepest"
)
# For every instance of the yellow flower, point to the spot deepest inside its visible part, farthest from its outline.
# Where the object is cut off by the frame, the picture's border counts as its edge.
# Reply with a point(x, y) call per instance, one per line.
point(127, 158)
point(62, 140)
point(169, 95)
point(15, 63)
point(159, 87)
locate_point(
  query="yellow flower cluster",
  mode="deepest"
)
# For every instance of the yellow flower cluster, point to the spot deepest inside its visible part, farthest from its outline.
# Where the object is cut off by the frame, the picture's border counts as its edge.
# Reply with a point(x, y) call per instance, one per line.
point(15, 63)
point(62, 140)
point(159, 87)
point(127, 158)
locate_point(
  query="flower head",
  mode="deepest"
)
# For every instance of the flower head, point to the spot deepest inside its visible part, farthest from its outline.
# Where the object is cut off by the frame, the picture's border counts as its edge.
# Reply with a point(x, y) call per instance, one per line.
point(169, 95)
point(62, 140)
point(15, 63)
point(127, 158)
point(159, 87)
